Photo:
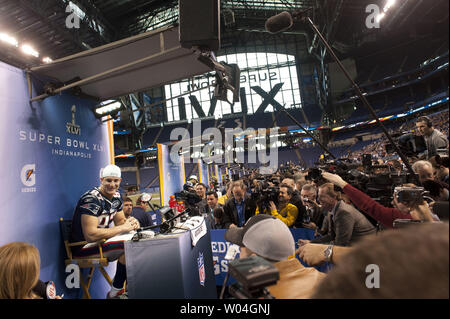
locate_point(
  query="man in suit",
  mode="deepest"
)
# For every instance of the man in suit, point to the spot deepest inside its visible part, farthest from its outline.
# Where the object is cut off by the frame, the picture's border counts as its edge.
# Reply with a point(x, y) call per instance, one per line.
point(346, 224)
point(240, 208)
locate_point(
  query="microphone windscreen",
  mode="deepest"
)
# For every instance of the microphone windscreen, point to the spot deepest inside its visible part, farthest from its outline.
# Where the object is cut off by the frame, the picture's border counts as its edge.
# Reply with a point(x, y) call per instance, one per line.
point(279, 23)
point(40, 289)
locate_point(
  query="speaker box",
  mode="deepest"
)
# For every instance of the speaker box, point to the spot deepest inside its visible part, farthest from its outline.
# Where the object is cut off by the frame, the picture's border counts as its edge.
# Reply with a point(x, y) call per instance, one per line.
point(200, 24)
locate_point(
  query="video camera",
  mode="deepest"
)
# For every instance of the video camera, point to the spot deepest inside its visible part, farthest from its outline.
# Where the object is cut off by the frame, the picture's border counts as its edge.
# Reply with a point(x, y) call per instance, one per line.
point(409, 143)
point(253, 275)
point(190, 199)
point(410, 195)
point(263, 193)
point(379, 185)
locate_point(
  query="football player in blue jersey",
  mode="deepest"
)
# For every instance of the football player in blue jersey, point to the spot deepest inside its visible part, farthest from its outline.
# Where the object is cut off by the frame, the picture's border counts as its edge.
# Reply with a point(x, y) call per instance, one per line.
point(98, 215)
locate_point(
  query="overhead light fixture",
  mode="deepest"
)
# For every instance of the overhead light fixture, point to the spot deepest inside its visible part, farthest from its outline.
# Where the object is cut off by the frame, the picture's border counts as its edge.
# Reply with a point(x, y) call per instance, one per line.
point(47, 60)
point(27, 49)
point(9, 39)
point(108, 107)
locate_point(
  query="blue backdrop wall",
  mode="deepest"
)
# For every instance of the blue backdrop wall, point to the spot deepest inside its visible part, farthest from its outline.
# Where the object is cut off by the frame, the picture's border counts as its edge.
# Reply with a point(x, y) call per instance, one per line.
point(51, 153)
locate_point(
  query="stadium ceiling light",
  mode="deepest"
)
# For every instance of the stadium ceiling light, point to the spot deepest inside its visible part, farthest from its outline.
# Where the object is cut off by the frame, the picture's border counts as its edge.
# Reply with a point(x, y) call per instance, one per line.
point(9, 39)
point(108, 107)
point(27, 49)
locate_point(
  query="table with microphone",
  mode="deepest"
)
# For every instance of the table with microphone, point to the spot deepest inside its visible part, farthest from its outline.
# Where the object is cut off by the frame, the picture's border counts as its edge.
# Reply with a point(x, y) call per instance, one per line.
point(174, 263)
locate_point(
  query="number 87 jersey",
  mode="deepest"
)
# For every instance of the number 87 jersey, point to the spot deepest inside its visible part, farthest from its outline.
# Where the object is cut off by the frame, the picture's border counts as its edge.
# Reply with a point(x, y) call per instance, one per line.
point(93, 203)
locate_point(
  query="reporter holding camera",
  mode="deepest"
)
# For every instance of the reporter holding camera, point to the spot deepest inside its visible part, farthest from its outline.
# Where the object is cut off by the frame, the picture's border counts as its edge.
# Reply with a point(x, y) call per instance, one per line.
point(346, 224)
point(286, 212)
point(385, 215)
point(296, 200)
point(315, 215)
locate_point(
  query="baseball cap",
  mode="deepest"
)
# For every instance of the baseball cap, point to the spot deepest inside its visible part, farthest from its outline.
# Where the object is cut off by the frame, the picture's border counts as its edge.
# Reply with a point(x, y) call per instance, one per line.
point(265, 235)
point(193, 177)
point(110, 171)
point(144, 198)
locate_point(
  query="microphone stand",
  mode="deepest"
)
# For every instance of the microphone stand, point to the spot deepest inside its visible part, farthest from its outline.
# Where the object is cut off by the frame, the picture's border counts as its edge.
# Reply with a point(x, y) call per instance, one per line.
point(361, 96)
point(165, 226)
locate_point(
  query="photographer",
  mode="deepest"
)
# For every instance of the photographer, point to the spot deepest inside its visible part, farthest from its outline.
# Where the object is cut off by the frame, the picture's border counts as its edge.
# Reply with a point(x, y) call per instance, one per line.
point(314, 214)
point(285, 211)
point(296, 200)
point(191, 200)
point(346, 224)
point(384, 215)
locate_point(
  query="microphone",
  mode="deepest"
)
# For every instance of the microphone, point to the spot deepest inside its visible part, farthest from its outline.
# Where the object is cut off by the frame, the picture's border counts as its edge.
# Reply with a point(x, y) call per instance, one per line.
point(285, 20)
point(279, 23)
point(45, 290)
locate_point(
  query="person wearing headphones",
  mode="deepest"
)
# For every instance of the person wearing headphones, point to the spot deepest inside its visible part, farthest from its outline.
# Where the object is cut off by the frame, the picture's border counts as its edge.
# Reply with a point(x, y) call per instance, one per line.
point(434, 139)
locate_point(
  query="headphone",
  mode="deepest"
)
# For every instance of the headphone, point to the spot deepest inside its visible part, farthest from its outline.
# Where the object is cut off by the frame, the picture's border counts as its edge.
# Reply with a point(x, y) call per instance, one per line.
point(425, 119)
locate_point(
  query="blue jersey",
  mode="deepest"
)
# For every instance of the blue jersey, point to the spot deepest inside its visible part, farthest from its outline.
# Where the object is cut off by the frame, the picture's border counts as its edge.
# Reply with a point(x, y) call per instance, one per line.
point(93, 203)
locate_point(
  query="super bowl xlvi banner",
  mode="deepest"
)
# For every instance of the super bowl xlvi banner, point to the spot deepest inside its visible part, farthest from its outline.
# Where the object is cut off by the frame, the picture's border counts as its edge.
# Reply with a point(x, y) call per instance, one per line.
point(220, 247)
point(51, 153)
point(203, 173)
point(171, 173)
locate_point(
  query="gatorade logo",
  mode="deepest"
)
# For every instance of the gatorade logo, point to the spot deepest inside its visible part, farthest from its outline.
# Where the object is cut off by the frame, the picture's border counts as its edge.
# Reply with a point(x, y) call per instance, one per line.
point(28, 178)
point(28, 175)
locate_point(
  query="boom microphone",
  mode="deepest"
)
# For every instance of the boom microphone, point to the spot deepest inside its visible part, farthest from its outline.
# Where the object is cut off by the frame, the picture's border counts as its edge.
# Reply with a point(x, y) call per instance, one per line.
point(285, 20)
point(279, 23)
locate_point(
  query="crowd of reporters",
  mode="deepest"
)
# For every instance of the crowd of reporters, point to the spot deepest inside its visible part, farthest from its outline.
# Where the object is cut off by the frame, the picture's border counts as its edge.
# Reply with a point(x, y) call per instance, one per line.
point(407, 238)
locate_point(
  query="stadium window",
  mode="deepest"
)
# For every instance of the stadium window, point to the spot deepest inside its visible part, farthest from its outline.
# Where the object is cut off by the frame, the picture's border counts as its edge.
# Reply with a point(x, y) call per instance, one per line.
point(257, 69)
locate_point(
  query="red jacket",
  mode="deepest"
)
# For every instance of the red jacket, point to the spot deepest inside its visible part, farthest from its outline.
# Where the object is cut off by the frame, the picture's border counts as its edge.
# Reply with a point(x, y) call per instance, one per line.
point(363, 202)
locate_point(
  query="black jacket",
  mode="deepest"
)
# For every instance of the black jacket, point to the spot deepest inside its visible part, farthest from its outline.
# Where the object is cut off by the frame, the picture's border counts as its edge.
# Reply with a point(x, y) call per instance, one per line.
point(231, 214)
point(297, 201)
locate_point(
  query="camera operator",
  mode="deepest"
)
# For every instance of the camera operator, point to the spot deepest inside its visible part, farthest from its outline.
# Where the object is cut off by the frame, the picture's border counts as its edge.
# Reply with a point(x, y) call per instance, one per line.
point(267, 237)
point(200, 189)
point(434, 139)
point(191, 200)
point(239, 208)
point(193, 180)
point(385, 215)
point(285, 211)
point(297, 202)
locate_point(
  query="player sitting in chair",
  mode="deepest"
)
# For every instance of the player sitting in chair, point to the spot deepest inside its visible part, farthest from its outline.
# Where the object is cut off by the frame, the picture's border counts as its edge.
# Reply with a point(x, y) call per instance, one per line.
point(98, 216)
